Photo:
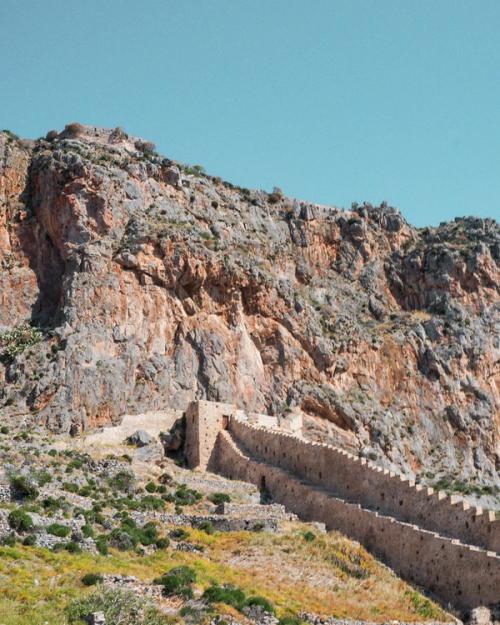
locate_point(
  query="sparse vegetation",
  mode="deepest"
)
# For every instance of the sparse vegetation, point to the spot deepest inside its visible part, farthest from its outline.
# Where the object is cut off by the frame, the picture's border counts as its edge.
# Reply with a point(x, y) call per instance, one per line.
point(178, 581)
point(23, 487)
point(194, 170)
point(218, 498)
point(74, 129)
point(16, 341)
point(56, 529)
point(120, 607)
point(20, 521)
point(91, 579)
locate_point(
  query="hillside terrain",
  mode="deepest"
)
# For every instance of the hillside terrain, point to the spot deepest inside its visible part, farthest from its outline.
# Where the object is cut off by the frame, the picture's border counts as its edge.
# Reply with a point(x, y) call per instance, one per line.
point(131, 282)
point(89, 525)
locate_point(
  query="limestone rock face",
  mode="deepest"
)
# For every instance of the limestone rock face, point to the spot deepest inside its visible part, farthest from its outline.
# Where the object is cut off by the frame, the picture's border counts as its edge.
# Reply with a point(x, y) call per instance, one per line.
point(155, 284)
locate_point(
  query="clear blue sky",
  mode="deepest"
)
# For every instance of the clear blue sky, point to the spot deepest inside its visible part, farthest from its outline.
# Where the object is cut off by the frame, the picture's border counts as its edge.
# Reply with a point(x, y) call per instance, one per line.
point(332, 100)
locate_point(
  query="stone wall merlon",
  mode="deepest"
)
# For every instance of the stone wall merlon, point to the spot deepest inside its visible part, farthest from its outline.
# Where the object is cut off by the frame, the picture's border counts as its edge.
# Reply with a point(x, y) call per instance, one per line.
point(354, 479)
point(464, 576)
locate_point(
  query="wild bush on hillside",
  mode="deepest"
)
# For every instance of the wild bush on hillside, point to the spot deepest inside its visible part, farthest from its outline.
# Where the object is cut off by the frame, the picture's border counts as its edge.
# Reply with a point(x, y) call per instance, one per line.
point(184, 496)
point(218, 498)
point(120, 607)
point(228, 594)
point(20, 520)
point(16, 341)
point(56, 529)
point(91, 579)
point(178, 581)
point(235, 597)
point(23, 488)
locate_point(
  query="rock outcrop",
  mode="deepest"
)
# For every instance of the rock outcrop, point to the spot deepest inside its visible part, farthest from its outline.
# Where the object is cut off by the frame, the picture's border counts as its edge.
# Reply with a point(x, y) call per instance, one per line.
point(154, 284)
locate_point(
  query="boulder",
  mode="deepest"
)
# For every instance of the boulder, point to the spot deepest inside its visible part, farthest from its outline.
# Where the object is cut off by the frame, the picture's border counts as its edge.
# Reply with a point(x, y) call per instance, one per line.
point(140, 438)
point(480, 616)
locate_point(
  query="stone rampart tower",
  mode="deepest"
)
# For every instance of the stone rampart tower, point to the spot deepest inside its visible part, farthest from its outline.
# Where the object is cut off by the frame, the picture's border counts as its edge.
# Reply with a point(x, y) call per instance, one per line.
point(204, 421)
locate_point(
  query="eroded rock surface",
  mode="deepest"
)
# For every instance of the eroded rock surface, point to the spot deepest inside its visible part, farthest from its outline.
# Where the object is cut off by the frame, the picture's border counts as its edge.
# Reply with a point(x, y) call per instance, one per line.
point(155, 284)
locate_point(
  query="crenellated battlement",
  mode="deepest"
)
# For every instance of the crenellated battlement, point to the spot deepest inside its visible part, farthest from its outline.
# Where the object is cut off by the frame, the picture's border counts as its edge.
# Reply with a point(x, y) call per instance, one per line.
point(425, 535)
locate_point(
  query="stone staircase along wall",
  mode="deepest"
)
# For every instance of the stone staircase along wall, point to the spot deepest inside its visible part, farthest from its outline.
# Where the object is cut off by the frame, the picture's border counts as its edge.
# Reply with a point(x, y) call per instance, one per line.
point(429, 538)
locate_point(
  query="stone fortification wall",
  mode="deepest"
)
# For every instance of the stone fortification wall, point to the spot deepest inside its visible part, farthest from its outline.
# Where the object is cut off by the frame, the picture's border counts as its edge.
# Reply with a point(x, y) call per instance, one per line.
point(204, 420)
point(458, 574)
point(359, 481)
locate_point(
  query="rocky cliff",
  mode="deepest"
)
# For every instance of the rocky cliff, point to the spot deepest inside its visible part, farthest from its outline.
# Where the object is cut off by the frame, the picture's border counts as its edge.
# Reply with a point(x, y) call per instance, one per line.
point(147, 283)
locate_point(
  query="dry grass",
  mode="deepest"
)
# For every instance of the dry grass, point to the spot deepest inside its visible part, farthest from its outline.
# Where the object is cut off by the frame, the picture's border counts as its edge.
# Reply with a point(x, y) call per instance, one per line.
point(317, 576)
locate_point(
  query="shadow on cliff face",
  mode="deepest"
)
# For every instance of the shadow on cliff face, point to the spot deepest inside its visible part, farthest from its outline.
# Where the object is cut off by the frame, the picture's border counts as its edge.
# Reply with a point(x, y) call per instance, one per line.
point(43, 258)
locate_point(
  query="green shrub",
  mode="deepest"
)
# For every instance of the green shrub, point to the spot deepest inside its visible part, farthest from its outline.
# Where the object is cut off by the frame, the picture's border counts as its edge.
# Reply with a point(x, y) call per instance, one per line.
point(88, 531)
point(184, 496)
point(77, 463)
point(309, 537)
point(101, 543)
point(228, 594)
point(91, 579)
point(20, 521)
point(70, 487)
point(4, 429)
point(261, 602)
point(122, 481)
point(150, 502)
point(23, 488)
point(43, 477)
point(207, 527)
point(15, 341)
point(163, 542)
point(122, 540)
point(29, 540)
point(72, 547)
point(178, 534)
point(51, 504)
point(178, 581)
point(151, 487)
point(56, 529)
point(194, 170)
point(234, 596)
point(9, 540)
point(422, 606)
point(218, 498)
point(121, 607)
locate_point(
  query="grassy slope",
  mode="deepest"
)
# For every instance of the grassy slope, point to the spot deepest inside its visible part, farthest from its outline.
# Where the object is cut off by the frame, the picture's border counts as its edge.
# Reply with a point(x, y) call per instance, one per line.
point(323, 576)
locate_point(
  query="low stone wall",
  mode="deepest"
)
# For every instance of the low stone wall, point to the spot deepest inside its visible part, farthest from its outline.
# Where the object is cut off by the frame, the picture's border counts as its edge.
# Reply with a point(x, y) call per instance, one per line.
point(224, 523)
point(273, 510)
point(153, 422)
point(359, 481)
point(458, 574)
